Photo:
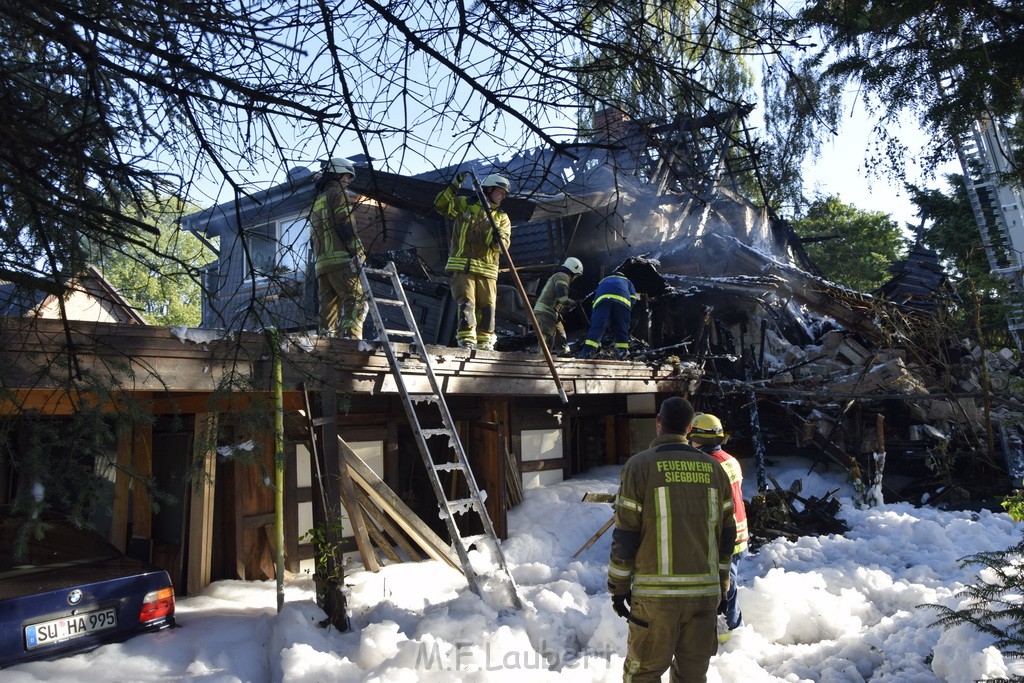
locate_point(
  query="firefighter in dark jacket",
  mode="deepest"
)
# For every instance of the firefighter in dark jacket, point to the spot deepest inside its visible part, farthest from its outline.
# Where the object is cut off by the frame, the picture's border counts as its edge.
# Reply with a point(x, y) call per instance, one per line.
point(337, 251)
point(473, 257)
point(613, 306)
point(671, 552)
point(553, 301)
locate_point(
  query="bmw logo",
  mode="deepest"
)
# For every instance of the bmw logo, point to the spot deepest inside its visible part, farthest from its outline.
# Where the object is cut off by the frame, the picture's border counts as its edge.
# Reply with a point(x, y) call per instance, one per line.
point(74, 597)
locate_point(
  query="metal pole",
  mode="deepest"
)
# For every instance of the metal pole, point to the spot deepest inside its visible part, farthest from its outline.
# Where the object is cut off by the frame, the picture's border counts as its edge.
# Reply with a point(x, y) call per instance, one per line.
point(522, 290)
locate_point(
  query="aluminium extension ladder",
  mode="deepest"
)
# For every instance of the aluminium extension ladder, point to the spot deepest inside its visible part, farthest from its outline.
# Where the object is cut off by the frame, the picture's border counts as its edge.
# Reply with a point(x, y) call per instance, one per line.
point(499, 579)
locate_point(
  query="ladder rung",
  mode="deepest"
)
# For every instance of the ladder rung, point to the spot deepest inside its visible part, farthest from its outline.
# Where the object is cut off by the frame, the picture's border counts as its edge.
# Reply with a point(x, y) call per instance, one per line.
point(462, 505)
point(321, 421)
point(440, 431)
point(449, 466)
point(470, 540)
point(389, 302)
point(376, 271)
point(400, 333)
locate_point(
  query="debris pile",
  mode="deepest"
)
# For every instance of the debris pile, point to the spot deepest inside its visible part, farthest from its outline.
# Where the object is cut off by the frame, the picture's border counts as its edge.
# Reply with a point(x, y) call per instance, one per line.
point(784, 513)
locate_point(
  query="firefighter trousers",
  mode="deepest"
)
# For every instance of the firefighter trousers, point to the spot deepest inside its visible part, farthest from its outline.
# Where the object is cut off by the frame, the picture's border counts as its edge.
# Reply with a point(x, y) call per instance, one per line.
point(677, 637)
point(476, 300)
point(342, 304)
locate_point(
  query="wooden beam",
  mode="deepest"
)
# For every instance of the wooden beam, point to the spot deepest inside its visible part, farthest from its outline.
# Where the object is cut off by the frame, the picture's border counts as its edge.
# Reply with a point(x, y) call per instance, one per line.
point(543, 465)
point(142, 460)
point(150, 358)
point(385, 523)
point(355, 512)
point(201, 505)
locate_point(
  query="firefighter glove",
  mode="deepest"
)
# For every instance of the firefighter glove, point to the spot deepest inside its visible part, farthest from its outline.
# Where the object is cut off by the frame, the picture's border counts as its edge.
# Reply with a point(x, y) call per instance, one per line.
point(723, 605)
point(620, 603)
point(460, 178)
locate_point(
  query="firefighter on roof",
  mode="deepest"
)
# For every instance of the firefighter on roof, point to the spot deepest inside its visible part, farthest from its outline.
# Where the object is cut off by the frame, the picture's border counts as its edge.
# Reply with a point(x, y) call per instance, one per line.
point(473, 257)
point(553, 302)
point(337, 252)
point(613, 306)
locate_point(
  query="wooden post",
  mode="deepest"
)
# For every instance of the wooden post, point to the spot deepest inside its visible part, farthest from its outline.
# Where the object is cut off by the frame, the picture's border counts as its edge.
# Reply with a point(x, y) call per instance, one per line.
point(200, 535)
point(142, 505)
point(120, 514)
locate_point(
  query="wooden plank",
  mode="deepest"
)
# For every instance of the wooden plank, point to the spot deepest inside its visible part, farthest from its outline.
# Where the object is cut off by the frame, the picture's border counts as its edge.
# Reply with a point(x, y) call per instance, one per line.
point(376, 535)
point(142, 460)
point(593, 539)
point(201, 505)
point(236, 517)
point(149, 358)
point(543, 465)
point(258, 521)
point(490, 470)
point(355, 512)
point(392, 505)
point(385, 523)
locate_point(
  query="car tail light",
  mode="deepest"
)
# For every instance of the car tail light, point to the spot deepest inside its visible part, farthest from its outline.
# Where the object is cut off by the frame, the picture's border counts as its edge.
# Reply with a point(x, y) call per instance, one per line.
point(157, 604)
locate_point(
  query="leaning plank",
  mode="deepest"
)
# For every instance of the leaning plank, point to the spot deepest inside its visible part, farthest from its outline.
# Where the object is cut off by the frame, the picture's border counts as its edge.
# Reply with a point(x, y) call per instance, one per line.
point(355, 513)
point(376, 535)
point(387, 527)
point(420, 533)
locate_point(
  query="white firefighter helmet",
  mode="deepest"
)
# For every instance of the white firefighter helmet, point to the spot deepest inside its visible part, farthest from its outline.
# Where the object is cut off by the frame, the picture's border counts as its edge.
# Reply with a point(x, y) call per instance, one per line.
point(573, 265)
point(338, 166)
point(495, 180)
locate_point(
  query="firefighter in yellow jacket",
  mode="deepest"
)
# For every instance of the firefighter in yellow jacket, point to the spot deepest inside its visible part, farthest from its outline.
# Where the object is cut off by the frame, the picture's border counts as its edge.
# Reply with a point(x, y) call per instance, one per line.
point(671, 552)
point(473, 257)
point(337, 249)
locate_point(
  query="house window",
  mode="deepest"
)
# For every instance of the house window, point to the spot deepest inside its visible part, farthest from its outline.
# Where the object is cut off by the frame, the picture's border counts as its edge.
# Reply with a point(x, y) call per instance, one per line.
point(279, 247)
point(294, 244)
point(263, 248)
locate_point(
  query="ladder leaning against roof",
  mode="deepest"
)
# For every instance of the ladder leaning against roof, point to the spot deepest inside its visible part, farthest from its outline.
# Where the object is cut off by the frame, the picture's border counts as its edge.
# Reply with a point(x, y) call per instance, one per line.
point(482, 583)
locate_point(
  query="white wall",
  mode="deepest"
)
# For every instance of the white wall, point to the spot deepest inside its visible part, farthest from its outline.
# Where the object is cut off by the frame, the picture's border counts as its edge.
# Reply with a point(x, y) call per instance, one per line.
point(541, 444)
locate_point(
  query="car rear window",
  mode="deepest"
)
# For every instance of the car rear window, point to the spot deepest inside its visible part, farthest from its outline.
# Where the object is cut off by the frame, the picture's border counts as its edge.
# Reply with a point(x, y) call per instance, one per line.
point(61, 545)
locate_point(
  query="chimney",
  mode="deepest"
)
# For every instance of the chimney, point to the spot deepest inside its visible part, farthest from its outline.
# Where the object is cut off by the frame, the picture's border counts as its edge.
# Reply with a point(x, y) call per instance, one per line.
point(609, 123)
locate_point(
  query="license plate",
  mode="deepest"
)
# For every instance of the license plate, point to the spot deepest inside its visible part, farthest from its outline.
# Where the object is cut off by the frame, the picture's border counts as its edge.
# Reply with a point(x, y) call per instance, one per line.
point(69, 628)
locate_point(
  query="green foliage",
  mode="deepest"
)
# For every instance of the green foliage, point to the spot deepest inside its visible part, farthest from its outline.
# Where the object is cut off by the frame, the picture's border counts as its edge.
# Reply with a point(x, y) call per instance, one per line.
point(801, 110)
point(861, 244)
point(1014, 505)
point(993, 602)
point(697, 57)
point(897, 52)
point(158, 274)
point(326, 539)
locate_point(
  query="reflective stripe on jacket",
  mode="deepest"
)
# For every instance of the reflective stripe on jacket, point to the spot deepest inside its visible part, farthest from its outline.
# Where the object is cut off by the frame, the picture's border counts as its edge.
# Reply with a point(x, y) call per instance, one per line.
point(732, 468)
point(473, 248)
point(331, 218)
point(616, 288)
point(674, 527)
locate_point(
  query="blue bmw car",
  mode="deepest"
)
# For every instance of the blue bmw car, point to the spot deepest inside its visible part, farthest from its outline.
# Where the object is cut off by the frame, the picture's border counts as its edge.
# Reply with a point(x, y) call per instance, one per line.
point(72, 591)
